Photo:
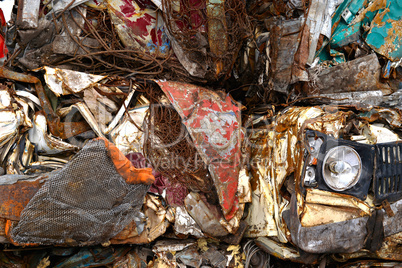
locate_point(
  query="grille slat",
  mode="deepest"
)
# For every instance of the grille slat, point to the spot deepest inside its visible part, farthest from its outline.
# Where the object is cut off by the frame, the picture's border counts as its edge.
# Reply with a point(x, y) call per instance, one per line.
point(388, 174)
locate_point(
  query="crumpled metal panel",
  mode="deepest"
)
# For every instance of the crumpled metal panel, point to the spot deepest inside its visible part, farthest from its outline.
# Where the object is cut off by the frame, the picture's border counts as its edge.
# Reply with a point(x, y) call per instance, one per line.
point(205, 215)
point(28, 14)
point(45, 142)
point(385, 35)
point(65, 82)
point(315, 22)
point(126, 136)
point(342, 237)
point(139, 26)
point(13, 116)
point(213, 122)
point(185, 224)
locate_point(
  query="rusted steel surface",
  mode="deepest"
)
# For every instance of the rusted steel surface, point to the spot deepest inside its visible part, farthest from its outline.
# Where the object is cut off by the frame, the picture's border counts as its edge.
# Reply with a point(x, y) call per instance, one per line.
point(361, 74)
point(15, 196)
point(392, 224)
point(284, 40)
point(213, 122)
point(217, 31)
point(63, 130)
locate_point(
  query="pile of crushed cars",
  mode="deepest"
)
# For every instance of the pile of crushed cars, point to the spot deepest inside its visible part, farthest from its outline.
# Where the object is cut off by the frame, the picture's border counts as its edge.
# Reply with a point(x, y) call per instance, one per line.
point(201, 133)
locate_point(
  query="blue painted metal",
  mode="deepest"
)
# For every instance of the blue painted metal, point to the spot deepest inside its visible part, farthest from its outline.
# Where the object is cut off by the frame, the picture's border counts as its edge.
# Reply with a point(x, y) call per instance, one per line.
point(386, 70)
point(94, 257)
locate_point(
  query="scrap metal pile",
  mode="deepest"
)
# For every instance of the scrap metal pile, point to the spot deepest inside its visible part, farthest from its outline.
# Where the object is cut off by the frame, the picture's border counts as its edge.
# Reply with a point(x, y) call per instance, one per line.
point(201, 133)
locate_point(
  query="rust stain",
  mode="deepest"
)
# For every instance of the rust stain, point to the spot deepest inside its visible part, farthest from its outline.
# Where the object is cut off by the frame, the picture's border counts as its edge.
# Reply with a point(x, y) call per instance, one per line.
point(14, 197)
point(376, 5)
point(8, 229)
point(394, 33)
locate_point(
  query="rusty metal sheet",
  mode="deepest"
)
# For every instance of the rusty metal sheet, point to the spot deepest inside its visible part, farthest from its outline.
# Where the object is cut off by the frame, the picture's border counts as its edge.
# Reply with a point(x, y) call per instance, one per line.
point(15, 193)
point(217, 31)
point(393, 225)
point(139, 25)
point(315, 22)
point(213, 122)
point(316, 196)
point(275, 155)
point(261, 211)
point(361, 74)
point(284, 40)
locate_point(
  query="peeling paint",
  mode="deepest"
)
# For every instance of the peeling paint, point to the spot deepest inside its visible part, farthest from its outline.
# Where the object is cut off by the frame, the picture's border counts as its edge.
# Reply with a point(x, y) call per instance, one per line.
point(213, 121)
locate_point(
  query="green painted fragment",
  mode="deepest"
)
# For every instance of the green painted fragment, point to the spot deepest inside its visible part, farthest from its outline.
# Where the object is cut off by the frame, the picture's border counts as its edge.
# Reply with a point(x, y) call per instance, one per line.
point(345, 35)
point(337, 57)
point(385, 35)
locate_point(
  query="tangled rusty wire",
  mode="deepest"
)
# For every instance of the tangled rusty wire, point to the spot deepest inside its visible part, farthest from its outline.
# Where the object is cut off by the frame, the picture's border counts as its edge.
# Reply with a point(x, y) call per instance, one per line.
point(210, 34)
point(169, 148)
point(113, 58)
point(110, 56)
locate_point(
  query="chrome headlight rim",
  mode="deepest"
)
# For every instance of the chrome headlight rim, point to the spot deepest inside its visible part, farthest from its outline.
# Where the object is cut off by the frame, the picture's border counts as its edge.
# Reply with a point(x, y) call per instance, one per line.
point(356, 177)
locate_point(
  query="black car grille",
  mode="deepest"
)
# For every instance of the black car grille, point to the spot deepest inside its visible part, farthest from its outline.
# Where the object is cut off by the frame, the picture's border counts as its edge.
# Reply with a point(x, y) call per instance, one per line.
point(388, 175)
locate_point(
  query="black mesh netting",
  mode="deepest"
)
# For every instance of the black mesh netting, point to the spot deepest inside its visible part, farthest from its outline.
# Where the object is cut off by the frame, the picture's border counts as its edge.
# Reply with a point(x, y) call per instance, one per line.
point(87, 201)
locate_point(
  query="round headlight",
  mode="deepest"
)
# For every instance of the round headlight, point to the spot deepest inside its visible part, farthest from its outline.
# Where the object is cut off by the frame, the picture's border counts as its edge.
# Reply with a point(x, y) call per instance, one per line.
point(341, 168)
